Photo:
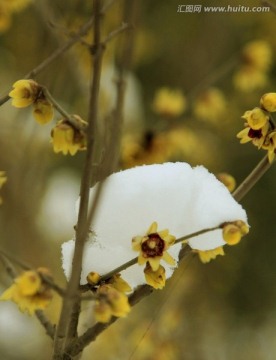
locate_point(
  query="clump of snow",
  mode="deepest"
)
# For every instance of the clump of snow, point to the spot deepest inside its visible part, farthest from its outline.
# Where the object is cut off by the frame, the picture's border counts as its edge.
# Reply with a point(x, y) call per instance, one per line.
point(175, 195)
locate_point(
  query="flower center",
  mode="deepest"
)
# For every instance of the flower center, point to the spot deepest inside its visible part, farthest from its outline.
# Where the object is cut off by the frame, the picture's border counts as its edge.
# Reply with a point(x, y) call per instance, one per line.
point(153, 246)
point(254, 134)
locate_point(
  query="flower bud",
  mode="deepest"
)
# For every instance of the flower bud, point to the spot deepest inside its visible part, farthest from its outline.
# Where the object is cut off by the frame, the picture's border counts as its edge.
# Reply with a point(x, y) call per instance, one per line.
point(268, 102)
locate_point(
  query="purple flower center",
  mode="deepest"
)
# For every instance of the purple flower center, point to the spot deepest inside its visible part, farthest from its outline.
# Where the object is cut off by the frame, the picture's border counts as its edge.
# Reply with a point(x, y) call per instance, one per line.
point(153, 246)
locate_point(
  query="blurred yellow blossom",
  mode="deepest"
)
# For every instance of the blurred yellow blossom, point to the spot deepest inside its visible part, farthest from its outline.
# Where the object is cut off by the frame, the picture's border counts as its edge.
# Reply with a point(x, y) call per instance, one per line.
point(17, 5)
point(157, 278)
point(268, 102)
point(111, 302)
point(257, 54)
point(208, 255)
point(228, 180)
point(29, 291)
point(7, 7)
point(169, 102)
point(256, 61)
point(153, 247)
point(210, 105)
point(5, 17)
point(3, 179)
point(66, 138)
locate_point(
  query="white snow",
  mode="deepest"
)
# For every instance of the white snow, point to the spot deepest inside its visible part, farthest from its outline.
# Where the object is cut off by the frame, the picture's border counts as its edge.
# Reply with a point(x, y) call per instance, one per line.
point(180, 198)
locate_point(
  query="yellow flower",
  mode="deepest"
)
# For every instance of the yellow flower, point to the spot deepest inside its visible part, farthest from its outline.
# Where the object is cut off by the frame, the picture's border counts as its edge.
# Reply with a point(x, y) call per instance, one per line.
point(111, 302)
point(169, 102)
point(233, 232)
point(208, 255)
point(257, 137)
point(256, 118)
point(153, 246)
point(43, 111)
point(156, 279)
point(29, 291)
point(268, 102)
point(67, 139)
point(5, 17)
point(228, 180)
point(24, 93)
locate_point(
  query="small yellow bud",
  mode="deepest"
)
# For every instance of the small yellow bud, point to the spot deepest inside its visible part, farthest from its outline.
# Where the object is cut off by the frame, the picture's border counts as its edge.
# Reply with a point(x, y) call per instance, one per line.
point(93, 278)
point(268, 102)
point(231, 234)
point(242, 226)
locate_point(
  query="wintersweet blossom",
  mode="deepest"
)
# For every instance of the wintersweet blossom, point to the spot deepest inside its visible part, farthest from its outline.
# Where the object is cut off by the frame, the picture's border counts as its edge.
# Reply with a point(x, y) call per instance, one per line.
point(29, 291)
point(175, 195)
point(153, 246)
point(67, 139)
point(259, 126)
point(24, 93)
point(28, 92)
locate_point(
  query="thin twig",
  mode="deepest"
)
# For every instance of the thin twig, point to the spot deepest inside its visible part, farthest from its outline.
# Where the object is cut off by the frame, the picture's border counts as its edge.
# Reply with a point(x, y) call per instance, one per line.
point(14, 260)
point(71, 119)
point(71, 298)
point(116, 32)
point(252, 179)
point(44, 321)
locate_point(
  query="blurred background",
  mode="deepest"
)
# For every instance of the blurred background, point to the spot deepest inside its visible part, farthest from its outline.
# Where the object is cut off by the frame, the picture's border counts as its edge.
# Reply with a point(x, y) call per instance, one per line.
point(193, 76)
